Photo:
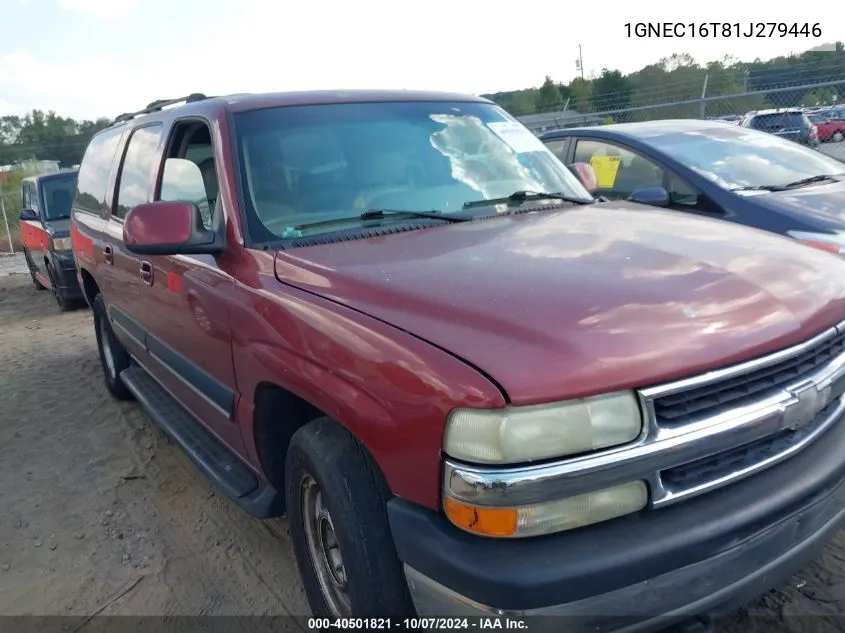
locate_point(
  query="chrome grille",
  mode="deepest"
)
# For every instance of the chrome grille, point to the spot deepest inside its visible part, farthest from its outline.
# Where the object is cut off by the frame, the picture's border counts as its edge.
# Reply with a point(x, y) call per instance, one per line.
point(699, 434)
point(737, 391)
point(744, 419)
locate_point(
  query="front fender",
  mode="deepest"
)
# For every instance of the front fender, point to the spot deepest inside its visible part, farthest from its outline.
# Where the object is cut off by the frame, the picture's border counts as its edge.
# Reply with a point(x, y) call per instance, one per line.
point(390, 389)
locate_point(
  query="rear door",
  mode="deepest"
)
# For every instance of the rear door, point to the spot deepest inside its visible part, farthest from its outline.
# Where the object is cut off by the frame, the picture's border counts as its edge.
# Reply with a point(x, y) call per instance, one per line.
point(135, 181)
point(32, 233)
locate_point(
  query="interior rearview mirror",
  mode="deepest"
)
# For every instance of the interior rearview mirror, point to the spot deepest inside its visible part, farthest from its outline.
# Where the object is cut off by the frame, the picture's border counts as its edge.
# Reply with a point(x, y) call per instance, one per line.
point(652, 196)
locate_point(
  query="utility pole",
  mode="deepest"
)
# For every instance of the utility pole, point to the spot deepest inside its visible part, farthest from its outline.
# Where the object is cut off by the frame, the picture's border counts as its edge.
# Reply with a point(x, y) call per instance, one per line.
point(579, 63)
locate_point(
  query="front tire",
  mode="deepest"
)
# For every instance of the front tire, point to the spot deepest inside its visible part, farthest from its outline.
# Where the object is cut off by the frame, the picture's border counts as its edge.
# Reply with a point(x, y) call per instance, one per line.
point(838, 136)
point(337, 504)
point(113, 356)
point(65, 304)
point(38, 285)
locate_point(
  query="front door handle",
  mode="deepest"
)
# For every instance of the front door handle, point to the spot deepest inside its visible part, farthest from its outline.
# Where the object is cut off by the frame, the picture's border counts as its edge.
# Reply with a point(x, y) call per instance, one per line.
point(147, 273)
point(108, 254)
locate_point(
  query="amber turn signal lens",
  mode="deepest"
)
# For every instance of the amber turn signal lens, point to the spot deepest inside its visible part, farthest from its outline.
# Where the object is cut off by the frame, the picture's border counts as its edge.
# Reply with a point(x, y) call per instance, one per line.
point(484, 521)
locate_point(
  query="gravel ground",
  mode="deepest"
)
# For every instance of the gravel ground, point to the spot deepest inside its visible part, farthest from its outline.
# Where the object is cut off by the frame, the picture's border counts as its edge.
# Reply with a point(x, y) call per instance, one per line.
point(94, 496)
point(96, 500)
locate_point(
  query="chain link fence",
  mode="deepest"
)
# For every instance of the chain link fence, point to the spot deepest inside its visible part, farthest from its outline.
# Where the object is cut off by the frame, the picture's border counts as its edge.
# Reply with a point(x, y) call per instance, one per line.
point(10, 208)
point(667, 91)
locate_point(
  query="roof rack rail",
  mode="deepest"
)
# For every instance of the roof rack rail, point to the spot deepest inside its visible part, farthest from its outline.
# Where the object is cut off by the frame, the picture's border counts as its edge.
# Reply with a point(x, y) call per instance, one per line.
point(156, 106)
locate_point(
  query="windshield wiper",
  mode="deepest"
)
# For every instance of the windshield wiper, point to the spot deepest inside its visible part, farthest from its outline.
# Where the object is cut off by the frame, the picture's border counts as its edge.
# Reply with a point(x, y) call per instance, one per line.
point(378, 214)
point(808, 181)
point(526, 196)
point(790, 185)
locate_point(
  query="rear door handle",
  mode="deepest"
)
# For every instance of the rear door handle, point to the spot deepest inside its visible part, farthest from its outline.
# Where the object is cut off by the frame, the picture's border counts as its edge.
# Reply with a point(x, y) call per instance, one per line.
point(108, 254)
point(147, 273)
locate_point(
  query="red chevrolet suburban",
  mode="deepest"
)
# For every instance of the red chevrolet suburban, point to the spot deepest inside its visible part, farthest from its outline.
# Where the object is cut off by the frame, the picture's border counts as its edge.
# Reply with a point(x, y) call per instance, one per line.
point(474, 389)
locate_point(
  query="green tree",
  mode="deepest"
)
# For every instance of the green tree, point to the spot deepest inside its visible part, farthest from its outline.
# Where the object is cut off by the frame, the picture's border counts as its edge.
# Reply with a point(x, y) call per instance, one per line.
point(548, 97)
point(45, 136)
point(610, 91)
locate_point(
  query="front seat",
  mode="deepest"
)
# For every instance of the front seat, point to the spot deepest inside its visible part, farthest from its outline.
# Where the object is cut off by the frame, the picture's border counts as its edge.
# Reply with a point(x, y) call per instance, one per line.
point(379, 175)
point(209, 179)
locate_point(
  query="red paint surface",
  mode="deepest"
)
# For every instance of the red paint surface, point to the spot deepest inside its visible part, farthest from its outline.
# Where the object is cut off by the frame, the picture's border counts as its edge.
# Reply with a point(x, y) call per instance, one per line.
point(174, 282)
point(387, 335)
point(827, 129)
point(158, 223)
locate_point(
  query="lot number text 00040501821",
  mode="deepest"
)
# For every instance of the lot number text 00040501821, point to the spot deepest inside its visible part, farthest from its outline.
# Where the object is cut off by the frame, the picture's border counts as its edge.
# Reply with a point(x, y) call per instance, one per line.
point(722, 29)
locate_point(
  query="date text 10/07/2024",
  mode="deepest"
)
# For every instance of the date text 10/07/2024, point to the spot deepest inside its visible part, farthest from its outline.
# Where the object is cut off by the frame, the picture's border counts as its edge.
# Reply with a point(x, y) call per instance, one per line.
point(418, 624)
point(723, 29)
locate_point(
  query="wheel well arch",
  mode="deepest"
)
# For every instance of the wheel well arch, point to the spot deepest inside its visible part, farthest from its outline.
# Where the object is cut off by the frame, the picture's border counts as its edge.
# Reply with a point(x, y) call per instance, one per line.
point(89, 287)
point(277, 415)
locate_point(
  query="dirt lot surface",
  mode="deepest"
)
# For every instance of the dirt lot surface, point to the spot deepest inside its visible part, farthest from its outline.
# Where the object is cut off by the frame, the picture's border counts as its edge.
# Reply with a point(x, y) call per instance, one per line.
point(93, 496)
point(95, 502)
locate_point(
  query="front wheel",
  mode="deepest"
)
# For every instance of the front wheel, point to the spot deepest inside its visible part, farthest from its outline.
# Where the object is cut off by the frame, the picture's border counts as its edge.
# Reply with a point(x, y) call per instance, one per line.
point(838, 136)
point(113, 356)
point(336, 500)
point(31, 267)
point(63, 302)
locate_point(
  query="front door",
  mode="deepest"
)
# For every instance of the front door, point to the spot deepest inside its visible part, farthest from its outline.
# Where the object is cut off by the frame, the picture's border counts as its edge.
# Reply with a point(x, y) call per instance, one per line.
point(187, 298)
point(34, 237)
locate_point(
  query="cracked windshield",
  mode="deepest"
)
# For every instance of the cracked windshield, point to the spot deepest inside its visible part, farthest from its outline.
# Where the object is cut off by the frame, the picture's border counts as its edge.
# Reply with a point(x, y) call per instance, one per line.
point(301, 166)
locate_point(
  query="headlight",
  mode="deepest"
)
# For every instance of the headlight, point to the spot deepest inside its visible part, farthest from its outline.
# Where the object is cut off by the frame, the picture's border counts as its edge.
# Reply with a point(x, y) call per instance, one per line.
point(523, 434)
point(551, 516)
point(62, 244)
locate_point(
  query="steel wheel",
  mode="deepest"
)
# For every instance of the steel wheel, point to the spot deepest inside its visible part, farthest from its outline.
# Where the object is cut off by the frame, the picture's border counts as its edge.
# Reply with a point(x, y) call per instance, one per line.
point(324, 549)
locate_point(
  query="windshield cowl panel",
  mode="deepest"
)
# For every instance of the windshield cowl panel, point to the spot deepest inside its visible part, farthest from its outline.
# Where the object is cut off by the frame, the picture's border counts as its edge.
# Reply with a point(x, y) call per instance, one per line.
point(303, 165)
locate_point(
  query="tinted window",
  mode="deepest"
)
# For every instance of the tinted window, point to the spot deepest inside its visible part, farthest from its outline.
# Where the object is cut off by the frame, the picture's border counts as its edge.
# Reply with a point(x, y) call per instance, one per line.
point(189, 169)
point(777, 121)
point(557, 147)
point(311, 163)
point(26, 198)
point(619, 171)
point(92, 180)
point(57, 196)
point(136, 174)
point(33, 198)
point(739, 157)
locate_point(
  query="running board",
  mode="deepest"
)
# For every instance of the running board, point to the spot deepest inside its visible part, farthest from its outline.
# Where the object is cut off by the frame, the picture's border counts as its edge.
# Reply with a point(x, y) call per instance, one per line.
point(226, 470)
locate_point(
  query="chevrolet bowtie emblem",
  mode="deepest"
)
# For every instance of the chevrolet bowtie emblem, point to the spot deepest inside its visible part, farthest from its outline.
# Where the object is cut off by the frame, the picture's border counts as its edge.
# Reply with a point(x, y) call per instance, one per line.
point(808, 401)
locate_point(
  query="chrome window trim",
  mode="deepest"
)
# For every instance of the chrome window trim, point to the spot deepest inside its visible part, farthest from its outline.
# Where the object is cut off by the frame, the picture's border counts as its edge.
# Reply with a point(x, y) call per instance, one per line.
point(660, 448)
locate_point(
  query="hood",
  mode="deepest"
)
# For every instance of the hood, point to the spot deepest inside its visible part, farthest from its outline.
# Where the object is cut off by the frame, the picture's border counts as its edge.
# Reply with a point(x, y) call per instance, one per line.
point(820, 206)
point(555, 305)
point(58, 228)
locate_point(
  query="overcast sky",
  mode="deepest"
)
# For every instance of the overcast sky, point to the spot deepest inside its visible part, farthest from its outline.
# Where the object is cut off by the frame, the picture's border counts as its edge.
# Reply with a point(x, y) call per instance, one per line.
point(90, 58)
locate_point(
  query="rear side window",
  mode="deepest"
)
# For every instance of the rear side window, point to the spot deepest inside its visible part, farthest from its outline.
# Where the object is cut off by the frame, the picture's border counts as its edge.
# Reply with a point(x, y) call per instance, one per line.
point(93, 178)
point(557, 147)
point(136, 174)
point(775, 122)
point(33, 198)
